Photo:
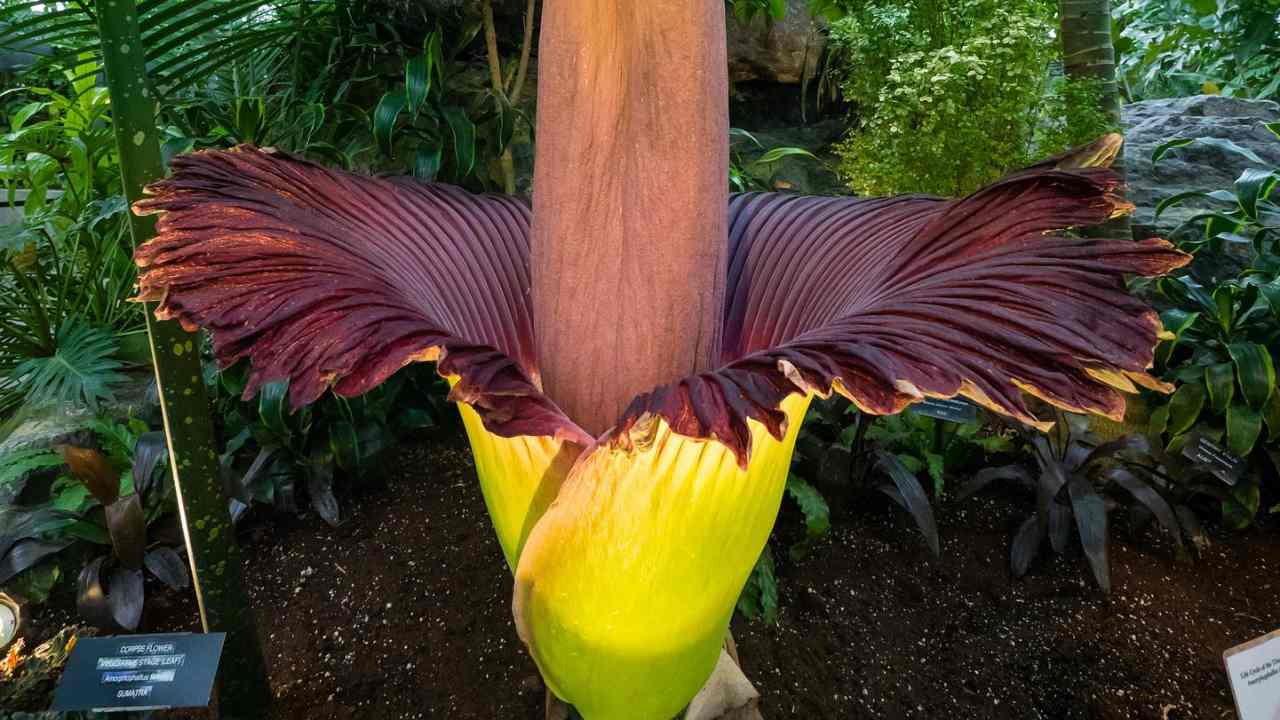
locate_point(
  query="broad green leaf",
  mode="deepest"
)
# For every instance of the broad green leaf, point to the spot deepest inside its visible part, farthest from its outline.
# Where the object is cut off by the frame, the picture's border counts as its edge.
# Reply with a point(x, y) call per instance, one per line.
point(505, 121)
point(174, 146)
point(1256, 372)
point(1177, 322)
point(434, 52)
point(1159, 422)
point(15, 466)
point(1252, 186)
point(1216, 223)
point(426, 163)
point(1178, 199)
point(1241, 507)
point(759, 598)
point(272, 407)
point(1272, 415)
point(417, 81)
point(1244, 424)
point(1271, 292)
point(37, 582)
point(464, 139)
point(1220, 379)
point(1224, 300)
point(778, 153)
point(384, 120)
point(24, 113)
point(1219, 143)
point(89, 532)
point(81, 373)
point(1090, 512)
point(1185, 407)
point(71, 498)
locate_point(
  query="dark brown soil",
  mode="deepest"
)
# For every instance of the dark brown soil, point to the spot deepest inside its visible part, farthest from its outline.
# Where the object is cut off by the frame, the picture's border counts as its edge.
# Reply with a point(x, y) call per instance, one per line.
point(403, 612)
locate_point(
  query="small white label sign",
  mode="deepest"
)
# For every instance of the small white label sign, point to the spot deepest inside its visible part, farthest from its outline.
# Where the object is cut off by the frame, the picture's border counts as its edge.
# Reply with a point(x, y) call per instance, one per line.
point(1254, 669)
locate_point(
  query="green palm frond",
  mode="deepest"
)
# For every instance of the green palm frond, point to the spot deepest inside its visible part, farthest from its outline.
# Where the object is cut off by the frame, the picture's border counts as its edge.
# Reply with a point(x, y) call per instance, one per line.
point(185, 40)
point(83, 371)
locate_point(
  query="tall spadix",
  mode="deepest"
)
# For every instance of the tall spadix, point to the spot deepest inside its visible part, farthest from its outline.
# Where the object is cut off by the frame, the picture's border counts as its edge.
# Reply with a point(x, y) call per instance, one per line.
point(630, 190)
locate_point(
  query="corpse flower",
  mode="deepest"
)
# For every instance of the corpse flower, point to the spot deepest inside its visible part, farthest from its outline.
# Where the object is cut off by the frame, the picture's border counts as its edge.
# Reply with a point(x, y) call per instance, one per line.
point(632, 359)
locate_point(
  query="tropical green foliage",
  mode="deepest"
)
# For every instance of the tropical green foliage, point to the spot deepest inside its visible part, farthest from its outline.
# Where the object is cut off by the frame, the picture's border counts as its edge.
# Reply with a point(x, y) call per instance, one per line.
point(265, 99)
point(81, 372)
point(747, 10)
point(752, 167)
point(1184, 47)
point(944, 92)
point(65, 268)
point(1224, 316)
point(443, 121)
point(1077, 483)
point(759, 598)
point(835, 454)
point(1224, 312)
point(126, 485)
point(185, 41)
point(59, 507)
point(937, 447)
point(277, 458)
point(1070, 114)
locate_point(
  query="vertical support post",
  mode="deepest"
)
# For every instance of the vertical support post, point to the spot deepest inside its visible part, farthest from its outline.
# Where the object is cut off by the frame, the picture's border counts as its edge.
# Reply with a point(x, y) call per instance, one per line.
point(243, 692)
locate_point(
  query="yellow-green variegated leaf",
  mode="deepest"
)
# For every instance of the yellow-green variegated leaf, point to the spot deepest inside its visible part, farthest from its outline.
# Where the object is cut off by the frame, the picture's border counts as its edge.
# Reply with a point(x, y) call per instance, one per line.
point(625, 588)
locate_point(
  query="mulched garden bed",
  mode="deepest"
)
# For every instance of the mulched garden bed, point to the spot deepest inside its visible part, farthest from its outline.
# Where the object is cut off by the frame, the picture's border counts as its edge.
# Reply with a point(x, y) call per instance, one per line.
point(404, 612)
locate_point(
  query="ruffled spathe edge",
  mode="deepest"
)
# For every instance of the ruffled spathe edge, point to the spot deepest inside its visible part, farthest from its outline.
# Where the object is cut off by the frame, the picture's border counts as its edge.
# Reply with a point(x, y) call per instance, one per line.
point(334, 280)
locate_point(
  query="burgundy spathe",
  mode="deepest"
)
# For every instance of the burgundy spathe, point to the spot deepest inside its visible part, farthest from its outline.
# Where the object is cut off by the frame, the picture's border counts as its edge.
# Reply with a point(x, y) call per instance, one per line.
point(327, 278)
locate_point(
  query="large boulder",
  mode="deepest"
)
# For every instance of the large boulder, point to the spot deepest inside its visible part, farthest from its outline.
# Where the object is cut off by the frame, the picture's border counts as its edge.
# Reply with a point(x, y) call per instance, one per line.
point(780, 51)
point(1150, 123)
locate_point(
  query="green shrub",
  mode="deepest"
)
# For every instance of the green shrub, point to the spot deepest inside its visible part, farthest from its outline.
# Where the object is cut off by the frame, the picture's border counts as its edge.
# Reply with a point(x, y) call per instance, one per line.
point(1223, 312)
point(1170, 48)
point(945, 92)
point(66, 271)
point(1070, 114)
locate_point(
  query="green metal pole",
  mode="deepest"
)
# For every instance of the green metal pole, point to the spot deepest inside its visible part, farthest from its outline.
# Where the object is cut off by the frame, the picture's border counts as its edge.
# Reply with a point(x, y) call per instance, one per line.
point(243, 692)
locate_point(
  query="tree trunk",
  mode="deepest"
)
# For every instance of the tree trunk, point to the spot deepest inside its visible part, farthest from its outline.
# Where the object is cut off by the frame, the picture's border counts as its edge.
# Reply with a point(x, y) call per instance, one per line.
point(630, 193)
point(1088, 53)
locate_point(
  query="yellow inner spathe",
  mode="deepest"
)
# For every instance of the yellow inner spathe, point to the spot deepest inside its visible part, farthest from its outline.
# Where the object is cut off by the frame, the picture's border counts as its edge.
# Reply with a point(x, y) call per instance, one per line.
point(519, 478)
point(626, 585)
